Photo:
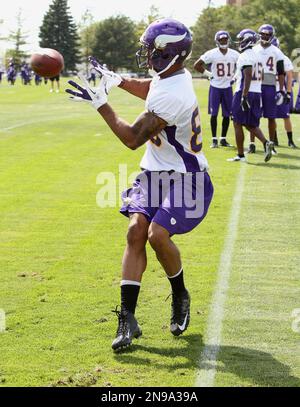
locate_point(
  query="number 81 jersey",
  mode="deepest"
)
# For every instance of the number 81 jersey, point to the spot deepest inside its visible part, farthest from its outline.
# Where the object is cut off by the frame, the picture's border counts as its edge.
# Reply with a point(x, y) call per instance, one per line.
point(222, 66)
point(178, 146)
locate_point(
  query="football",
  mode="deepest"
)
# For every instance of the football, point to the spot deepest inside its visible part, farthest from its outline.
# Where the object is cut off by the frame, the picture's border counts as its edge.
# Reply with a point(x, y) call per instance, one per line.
point(47, 62)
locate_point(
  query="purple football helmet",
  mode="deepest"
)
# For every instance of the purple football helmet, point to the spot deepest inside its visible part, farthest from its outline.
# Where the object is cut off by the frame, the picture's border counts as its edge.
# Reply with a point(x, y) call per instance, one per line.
point(275, 41)
point(221, 35)
point(164, 43)
point(246, 39)
point(267, 33)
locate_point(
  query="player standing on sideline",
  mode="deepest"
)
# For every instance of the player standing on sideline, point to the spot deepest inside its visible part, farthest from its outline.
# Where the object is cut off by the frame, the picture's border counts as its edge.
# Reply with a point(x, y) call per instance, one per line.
point(283, 111)
point(272, 59)
point(223, 63)
point(170, 127)
point(246, 107)
point(92, 76)
point(11, 73)
point(52, 80)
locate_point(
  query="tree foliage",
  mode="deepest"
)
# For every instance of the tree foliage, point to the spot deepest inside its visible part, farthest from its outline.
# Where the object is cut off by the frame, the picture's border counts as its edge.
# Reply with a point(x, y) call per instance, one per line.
point(116, 42)
point(282, 14)
point(59, 31)
point(18, 39)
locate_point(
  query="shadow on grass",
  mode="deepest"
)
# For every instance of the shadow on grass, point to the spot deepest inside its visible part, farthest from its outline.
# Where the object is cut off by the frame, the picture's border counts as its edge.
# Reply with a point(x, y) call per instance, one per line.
point(272, 164)
point(260, 368)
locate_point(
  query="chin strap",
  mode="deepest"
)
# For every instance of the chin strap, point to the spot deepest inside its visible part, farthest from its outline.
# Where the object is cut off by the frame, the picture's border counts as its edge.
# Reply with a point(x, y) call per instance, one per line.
point(153, 73)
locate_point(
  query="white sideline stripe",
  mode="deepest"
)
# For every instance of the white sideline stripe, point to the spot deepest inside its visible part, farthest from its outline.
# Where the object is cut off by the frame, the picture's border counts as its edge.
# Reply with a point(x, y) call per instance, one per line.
point(27, 123)
point(208, 362)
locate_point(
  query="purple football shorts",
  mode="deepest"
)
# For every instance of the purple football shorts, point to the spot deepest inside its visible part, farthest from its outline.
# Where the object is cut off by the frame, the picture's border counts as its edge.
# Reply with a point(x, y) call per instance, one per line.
point(176, 201)
point(250, 118)
point(268, 97)
point(283, 111)
point(217, 97)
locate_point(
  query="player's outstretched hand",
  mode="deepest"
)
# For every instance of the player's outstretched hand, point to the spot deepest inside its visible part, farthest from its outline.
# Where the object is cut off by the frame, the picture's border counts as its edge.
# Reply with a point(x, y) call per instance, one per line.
point(112, 79)
point(96, 97)
point(245, 104)
point(280, 98)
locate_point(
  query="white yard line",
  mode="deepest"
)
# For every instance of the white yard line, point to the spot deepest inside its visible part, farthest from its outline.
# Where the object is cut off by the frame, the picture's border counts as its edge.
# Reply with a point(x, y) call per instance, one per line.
point(208, 362)
point(28, 122)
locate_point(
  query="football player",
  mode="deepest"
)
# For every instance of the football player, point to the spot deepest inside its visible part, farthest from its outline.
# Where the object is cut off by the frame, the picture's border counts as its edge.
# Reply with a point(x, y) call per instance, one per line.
point(52, 80)
point(273, 64)
point(223, 63)
point(246, 107)
point(283, 111)
point(170, 127)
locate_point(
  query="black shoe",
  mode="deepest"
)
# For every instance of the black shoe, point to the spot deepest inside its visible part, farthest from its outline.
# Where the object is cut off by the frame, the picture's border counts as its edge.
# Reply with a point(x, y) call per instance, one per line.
point(128, 328)
point(292, 144)
point(224, 143)
point(251, 149)
point(180, 317)
point(214, 143)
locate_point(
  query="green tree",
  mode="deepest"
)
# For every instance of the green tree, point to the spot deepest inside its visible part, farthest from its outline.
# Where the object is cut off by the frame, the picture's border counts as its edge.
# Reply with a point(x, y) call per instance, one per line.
point(154, 14)
point(59, 31)
point(87, 30)
point(18, 39)
point(116, 42)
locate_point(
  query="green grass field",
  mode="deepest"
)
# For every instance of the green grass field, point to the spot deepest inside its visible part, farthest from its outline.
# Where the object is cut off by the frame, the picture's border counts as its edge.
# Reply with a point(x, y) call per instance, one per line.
point(60, 257)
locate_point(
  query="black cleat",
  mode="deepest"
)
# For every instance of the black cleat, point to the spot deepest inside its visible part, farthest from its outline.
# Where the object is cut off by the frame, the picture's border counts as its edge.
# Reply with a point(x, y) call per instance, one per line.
point(292, 144)
point(224, 143)
point(214, 143)
point(128, 328)
point(180, 317)
point(251, 149)
point(269, 148)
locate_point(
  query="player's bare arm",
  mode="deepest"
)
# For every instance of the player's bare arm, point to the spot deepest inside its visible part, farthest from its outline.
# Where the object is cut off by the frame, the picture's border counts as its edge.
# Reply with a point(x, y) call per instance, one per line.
point(199, 65)
point(137, 87)
point(248, 77)
point(280, 73)
point(146, 126)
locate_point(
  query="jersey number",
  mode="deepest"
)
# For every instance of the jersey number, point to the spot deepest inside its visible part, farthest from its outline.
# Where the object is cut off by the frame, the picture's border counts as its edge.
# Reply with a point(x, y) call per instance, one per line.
point(221, 70)
point(196, 145)
point(270, 63)
point(257, 72)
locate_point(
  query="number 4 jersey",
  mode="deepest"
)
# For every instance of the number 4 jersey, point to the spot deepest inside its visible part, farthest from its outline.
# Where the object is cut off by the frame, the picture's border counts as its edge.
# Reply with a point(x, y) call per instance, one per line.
point(269, 57)
point(222, 66)
point(179, 146)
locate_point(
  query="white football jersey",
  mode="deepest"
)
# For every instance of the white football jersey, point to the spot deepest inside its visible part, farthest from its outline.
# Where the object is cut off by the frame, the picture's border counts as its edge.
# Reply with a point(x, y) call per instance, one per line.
point(178, 147)
point(249, 58)
point(269, 57)
point(222, 66)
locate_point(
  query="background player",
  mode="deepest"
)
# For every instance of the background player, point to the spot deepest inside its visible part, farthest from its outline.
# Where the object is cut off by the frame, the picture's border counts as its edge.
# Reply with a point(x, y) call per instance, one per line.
point(223, 63)
point(246, 107)
point(170, 127)
point(283, 111)
point(272, 59)
point(56, 80)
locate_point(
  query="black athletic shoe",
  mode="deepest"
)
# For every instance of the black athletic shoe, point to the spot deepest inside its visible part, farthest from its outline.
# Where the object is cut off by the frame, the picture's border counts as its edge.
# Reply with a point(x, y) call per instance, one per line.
point(292, 144)
point(251, 149)
point(214, 143)
point(224, 143)
point(180, 317)
point(128, 328)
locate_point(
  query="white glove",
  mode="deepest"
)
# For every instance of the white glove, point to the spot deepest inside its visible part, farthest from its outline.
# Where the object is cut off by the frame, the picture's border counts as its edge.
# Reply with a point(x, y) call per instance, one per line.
point(208, 74)
point(97, 97)
point(112, 79)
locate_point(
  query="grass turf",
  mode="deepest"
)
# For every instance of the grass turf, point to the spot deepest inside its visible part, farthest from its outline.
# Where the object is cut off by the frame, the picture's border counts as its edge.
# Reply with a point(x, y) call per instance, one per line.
point(60, 257)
